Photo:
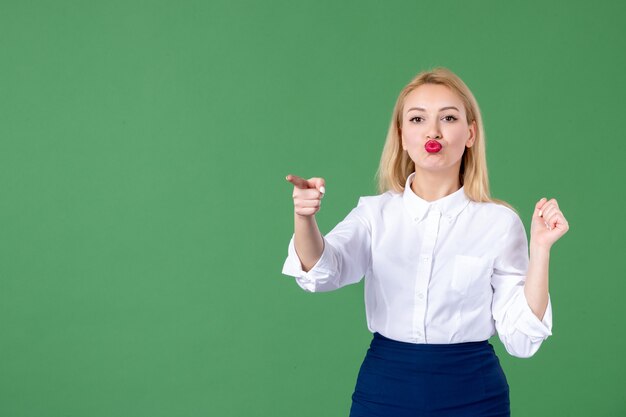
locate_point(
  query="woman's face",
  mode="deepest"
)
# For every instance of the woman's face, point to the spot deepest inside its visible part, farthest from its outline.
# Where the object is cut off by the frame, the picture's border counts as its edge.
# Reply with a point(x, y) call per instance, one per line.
point(434, 112)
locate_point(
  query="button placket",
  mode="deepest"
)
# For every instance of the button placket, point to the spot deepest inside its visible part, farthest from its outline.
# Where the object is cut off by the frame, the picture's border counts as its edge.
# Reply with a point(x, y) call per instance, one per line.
point(424, 272)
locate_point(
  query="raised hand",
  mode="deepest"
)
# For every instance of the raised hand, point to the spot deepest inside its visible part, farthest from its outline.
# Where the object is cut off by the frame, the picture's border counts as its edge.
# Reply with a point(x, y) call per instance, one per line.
point(548, 223)
point(307, 194)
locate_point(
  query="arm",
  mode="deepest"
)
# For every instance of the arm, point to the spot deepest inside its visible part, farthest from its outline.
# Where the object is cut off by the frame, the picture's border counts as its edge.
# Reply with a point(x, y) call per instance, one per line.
point(307, 200)
point(519, 329)
point(536, 286)
point(521, 304)
point(548, 225)
point(345, 257)
point(325, 263)
point(309, 242)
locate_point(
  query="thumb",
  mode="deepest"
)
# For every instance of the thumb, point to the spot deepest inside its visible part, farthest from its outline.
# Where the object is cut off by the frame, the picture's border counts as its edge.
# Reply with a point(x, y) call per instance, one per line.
point(318, 183)
point(539, 206)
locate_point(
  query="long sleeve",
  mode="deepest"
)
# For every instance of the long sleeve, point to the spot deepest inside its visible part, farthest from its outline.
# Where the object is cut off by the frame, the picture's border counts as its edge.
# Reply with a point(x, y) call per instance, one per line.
point(345, 258)
point(519, 329)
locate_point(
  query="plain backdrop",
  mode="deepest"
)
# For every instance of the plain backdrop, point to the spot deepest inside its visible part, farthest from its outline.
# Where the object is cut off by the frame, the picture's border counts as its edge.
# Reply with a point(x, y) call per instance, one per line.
point(145, 216)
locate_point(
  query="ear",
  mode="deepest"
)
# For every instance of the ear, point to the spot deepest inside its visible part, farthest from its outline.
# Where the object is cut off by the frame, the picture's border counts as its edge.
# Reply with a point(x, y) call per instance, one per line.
point(472, 137)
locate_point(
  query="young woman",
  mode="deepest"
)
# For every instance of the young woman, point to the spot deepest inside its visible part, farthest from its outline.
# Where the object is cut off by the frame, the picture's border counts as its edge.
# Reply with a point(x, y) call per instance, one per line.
point(446, 266)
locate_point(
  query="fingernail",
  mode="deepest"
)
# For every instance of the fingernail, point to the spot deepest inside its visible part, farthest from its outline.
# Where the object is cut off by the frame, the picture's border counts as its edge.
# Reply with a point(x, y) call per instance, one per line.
point(540, 213)
point(322, 189)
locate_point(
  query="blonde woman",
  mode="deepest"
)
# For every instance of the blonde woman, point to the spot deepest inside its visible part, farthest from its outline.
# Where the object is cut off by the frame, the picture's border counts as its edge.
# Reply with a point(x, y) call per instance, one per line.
point(445, 265)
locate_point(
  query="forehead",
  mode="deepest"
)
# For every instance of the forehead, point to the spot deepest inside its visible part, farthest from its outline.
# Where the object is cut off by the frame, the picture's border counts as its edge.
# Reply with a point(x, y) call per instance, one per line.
point(432, 97)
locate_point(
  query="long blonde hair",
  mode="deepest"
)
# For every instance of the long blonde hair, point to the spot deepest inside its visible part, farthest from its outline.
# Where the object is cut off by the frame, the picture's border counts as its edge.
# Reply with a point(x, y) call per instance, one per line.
point(395, 163)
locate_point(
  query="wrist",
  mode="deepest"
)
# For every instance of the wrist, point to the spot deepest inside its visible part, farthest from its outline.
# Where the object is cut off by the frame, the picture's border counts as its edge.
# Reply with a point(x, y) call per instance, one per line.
point(537, 249)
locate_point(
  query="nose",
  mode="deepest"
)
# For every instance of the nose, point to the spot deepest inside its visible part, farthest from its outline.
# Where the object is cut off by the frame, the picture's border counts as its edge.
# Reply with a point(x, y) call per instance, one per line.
point(433, 132)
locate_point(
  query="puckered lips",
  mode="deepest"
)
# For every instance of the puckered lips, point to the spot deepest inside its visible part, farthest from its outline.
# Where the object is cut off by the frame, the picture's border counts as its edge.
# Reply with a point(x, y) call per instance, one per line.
point(432, 146)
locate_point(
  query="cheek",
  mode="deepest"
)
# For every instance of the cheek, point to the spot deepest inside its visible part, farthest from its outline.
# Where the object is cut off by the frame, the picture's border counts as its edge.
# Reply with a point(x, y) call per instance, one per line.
point(410, 133)
point(410, 141)
point(457, 129)
point(458, 135)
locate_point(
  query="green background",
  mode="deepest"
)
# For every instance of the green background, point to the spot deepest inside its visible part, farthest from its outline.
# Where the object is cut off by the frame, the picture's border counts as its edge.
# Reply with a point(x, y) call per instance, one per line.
point(145, 216)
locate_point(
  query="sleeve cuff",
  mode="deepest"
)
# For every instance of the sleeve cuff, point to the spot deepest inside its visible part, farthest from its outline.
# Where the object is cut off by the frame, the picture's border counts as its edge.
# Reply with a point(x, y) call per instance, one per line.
point(529, 324)
point(323, 268)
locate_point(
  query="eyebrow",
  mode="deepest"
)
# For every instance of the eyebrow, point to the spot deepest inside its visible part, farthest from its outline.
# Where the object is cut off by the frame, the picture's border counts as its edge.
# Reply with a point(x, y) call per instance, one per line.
point(441, 109)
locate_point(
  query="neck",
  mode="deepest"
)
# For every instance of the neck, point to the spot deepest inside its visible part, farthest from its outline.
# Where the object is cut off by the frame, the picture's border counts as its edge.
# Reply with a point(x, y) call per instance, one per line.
point(431, 186)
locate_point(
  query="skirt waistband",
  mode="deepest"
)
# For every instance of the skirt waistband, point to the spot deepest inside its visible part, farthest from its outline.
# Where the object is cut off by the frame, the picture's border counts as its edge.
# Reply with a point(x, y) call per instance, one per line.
point(383, 341)
point(464, 357)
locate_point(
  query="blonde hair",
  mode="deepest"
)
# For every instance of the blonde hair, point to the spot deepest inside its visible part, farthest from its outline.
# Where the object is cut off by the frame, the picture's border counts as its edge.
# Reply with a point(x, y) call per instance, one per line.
point(396, 165)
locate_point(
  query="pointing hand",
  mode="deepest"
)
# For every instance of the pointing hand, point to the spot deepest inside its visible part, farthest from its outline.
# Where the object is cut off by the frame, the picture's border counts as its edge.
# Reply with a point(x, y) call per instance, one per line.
point(307, 194)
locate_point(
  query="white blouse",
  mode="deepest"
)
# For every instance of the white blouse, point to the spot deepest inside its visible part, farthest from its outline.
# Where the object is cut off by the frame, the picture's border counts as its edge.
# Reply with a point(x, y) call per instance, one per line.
point(446, 271)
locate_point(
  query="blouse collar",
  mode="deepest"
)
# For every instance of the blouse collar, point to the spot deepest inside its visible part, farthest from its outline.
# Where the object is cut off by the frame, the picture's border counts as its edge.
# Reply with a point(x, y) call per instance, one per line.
point(449, 206)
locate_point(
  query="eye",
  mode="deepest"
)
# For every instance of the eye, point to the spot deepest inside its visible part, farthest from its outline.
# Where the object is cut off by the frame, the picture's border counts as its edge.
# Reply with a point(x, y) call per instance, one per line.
point(450, 118)
point(415, 119)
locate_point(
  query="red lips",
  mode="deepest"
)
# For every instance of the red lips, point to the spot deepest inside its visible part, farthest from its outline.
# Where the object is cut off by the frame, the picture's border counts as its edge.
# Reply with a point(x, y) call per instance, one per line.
point(432, 146)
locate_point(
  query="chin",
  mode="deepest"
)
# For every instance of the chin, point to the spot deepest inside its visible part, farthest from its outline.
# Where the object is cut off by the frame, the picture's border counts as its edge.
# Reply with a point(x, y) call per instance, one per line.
point(434, 166)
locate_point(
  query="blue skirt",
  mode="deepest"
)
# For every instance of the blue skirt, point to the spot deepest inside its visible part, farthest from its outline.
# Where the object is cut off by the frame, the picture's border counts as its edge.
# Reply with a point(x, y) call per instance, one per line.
point(399, 379)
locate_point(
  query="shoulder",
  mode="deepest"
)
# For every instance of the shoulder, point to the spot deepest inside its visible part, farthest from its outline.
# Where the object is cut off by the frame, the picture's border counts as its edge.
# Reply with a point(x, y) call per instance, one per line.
point(500, 225)
point(496, 214)
point(371, 207)
point(377, 203)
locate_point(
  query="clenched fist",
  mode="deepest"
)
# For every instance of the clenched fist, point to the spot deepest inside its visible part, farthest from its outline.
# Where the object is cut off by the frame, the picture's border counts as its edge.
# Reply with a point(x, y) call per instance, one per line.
point(548, 224)
point(307, 194)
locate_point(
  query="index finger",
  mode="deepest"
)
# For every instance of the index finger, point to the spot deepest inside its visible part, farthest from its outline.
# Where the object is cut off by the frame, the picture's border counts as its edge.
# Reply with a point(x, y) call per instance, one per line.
point(298, 181)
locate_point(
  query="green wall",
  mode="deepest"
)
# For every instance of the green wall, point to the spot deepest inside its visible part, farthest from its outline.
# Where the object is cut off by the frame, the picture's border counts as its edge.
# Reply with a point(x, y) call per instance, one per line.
point(145, 216)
